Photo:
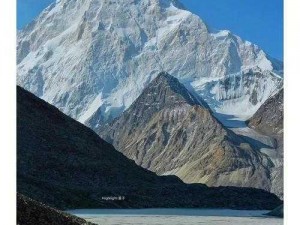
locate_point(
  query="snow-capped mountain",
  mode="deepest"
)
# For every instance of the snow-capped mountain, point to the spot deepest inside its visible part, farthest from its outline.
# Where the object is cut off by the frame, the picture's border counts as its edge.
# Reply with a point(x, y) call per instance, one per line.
point(93, 58)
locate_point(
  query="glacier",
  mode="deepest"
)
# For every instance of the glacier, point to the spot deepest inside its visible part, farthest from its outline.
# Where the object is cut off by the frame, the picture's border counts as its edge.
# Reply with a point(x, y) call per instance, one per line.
point(92, 58)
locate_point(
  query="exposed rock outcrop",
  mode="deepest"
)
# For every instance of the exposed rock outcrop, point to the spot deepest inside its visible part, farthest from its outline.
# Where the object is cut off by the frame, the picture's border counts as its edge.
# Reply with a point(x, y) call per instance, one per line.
point(269, 117)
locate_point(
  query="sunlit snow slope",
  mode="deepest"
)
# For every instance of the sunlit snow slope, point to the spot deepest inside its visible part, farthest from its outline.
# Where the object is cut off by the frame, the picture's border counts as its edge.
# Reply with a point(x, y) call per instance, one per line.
point(92, 58)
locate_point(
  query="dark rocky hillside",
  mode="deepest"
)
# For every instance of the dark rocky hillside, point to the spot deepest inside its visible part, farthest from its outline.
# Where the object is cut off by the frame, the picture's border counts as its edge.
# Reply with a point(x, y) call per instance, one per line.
point(30, 212)
point(64, 164)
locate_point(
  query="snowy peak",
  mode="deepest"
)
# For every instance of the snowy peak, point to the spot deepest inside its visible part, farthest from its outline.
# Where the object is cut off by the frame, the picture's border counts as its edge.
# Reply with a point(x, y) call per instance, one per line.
point(93, 57)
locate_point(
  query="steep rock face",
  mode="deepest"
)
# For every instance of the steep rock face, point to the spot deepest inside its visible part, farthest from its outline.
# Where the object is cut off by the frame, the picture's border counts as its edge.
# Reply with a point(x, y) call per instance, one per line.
point(269, 117)
point(31, 212)
point(168, 131)
point(268, 120)
point(64, 164)
point(94, 57)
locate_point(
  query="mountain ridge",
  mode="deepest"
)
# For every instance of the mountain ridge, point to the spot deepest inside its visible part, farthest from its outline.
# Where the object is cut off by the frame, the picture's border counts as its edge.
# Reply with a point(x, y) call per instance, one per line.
point(183, 138)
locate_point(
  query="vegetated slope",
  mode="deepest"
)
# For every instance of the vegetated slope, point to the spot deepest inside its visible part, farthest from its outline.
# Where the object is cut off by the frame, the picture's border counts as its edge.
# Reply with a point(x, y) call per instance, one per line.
point(64, 164)
point(169, 131)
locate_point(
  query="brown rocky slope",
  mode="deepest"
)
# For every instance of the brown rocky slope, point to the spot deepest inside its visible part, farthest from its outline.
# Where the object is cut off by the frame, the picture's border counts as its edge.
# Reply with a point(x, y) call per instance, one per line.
point(168, 131)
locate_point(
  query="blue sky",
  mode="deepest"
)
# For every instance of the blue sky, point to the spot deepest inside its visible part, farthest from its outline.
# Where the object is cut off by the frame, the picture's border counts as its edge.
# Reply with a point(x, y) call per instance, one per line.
point(259, 21)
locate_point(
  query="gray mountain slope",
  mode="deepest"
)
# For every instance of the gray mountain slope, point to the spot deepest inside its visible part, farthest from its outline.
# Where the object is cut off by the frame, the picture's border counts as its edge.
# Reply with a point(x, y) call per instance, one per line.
point(269, 117)
point(168, 131)
point(268, 120)
point(64, 164)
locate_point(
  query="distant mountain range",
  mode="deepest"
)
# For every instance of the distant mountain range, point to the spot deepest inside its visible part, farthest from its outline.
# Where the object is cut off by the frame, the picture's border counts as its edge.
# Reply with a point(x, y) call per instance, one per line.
point(64, 164)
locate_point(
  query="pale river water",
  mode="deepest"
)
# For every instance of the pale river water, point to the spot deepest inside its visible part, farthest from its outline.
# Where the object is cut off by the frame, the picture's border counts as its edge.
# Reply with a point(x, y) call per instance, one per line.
point(176, 217)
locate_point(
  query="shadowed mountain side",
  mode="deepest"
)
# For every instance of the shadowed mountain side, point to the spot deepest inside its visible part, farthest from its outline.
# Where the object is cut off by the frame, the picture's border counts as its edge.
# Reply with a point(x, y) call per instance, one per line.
point(64, 164)
point(30, 212)
point(278, 212)
point(168, 131)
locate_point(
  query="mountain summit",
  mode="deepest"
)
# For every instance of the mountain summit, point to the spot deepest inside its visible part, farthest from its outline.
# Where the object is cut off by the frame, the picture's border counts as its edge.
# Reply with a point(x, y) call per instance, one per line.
point(96, 56)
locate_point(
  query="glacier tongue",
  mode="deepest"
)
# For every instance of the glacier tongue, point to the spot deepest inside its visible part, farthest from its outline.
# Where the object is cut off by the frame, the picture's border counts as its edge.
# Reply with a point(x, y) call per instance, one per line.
point(92, 58)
